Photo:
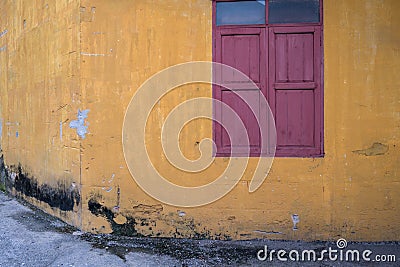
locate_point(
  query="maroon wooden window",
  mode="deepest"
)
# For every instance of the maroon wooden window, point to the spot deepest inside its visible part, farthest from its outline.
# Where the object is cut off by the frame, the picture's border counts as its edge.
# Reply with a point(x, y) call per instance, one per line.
point(278, 44)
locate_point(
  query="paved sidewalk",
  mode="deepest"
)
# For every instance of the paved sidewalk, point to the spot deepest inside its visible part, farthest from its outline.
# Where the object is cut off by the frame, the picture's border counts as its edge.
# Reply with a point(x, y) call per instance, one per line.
point(29, 237)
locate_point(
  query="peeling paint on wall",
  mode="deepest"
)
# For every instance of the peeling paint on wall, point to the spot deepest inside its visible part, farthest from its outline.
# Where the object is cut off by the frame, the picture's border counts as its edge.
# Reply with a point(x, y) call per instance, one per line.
point(79, 124)
point(128, 228)
point(61, 130)
point(147, 209)
point(92, 54)
point(3, 33)
point(109, 188)
point(10, 123)
point(374, 150)
point(149, 220)
point(296, 220)
point(181, 213)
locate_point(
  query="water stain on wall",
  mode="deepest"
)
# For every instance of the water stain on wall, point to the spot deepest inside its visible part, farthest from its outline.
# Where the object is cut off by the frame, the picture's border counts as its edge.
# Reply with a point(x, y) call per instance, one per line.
point(60, 196)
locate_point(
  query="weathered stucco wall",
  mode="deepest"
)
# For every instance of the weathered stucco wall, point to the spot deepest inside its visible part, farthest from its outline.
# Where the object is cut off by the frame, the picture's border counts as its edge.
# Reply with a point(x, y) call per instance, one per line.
point(362, 118)
point(40, 95)
point(353, 191)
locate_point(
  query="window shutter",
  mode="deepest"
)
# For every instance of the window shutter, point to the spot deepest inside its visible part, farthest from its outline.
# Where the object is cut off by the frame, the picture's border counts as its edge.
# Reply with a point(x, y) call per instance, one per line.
point(295, 89)
point(244, 49)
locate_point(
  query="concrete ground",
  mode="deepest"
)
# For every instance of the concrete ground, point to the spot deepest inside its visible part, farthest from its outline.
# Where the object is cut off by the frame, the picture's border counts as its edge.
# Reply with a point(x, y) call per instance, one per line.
point(29, 237)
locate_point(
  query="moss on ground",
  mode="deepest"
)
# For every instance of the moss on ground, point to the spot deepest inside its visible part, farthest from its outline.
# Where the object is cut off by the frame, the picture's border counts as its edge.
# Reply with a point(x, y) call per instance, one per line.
point(2, 187)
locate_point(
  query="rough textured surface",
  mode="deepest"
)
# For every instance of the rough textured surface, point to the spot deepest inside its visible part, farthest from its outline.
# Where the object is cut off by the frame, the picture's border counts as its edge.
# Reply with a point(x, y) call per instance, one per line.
point(59, 196)
point(39, 87)
point(343, 193)
point(29, 237)
point(58, 57)
point(32, 238)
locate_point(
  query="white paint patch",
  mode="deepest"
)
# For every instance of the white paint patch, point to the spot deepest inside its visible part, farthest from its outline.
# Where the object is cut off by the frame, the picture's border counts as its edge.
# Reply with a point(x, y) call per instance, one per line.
point(109, 189)
point(181, 213)
point(3, 33)
point(60, 130)
point(13, 176)
point(92, 55)
point(3, 48)
point(9, 123)
point(79, 124)
point(296, 220)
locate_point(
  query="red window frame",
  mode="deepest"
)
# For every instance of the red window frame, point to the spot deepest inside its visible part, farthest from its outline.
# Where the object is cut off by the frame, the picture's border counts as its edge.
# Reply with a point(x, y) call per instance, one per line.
point(317, 150)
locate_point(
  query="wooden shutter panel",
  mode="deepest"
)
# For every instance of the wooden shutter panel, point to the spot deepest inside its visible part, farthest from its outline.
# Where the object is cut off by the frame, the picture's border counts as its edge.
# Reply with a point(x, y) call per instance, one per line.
point(295, 89)
point(244, 49)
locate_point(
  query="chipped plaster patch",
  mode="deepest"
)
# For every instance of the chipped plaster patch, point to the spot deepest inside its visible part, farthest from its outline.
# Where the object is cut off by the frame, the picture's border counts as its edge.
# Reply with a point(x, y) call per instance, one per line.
point(120, 219)
point(296, 220)
point(92, 54)
point(374, 150)
point(79, 124)
point(3, 33)
point(61, 130)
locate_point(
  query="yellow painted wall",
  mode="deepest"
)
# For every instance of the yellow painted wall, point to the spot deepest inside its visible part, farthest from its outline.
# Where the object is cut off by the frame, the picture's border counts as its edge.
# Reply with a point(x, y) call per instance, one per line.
point(97, 53)
point(39, 90)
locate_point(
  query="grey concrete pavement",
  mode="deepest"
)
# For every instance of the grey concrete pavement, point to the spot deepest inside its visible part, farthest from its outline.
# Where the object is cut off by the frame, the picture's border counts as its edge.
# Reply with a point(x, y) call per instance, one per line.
point(29, 237)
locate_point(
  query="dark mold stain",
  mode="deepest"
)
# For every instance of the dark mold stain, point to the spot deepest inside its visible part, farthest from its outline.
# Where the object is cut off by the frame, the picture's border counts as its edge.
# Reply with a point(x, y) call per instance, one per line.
point(59, 197)
point(3, 174)
point(145, 219)
point(126, 229)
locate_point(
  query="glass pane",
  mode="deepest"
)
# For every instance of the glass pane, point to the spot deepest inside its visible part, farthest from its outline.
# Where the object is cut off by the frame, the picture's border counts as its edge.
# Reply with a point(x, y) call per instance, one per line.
point(293, 11)
point(240, 12)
